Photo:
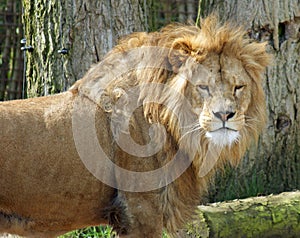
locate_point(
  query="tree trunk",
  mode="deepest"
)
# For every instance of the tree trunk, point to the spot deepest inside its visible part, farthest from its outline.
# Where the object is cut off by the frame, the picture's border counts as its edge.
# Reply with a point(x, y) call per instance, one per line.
point(274, 166)
point(271, 216)
point(15, 87)
point(5, 56)
point(70, 35)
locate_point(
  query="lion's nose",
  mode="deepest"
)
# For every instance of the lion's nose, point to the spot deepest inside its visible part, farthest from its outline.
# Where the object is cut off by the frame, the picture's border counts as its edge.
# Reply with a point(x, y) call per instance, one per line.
point(224, 116)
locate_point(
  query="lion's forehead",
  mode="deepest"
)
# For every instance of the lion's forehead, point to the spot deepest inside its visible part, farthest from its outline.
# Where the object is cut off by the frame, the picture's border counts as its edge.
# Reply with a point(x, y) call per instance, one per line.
point(220, 70)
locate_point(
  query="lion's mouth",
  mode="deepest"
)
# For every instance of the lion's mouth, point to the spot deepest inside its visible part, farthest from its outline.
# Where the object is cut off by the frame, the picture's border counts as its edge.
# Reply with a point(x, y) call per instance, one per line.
point(223, 136)
point(224, 129)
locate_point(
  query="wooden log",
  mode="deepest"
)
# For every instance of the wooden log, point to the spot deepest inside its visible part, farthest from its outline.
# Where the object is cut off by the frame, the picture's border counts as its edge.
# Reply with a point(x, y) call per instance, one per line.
point(270, 216)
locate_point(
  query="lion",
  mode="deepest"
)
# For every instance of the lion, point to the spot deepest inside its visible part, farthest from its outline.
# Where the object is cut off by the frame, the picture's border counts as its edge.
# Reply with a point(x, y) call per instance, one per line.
point(135, 142)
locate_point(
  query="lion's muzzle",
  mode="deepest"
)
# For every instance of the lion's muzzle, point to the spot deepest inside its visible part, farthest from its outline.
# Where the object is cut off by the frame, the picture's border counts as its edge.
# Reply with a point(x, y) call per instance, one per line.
point(222, 127)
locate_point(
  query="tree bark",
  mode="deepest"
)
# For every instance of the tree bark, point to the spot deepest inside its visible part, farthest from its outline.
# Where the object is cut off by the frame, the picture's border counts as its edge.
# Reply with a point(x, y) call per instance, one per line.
point(85, 29)
point(15, 87)
point(6, 50)
point(274, 165)
point(271, 216)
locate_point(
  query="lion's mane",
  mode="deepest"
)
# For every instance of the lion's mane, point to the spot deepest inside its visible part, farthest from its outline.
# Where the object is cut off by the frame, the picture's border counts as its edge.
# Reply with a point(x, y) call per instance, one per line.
point(143, 58)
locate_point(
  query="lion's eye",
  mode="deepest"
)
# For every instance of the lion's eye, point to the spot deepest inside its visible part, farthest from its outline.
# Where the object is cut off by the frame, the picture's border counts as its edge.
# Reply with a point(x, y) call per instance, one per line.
point(238, 88)
point(203, 87)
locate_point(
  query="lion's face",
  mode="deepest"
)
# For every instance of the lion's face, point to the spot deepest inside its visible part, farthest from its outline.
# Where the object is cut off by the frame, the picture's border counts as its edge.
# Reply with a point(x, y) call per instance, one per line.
point(221, 92)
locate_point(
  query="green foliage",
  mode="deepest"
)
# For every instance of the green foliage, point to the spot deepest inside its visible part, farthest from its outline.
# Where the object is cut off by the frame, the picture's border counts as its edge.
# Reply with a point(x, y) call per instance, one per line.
point(231, 184)
point(96, 232)
point(91, 232)
point(199, 13)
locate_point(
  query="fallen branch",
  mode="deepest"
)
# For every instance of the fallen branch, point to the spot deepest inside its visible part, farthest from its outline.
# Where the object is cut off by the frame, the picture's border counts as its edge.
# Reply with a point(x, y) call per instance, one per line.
point(270, 216)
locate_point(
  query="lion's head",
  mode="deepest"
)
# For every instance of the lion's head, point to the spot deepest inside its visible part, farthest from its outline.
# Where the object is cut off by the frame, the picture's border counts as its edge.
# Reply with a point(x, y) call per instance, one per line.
point(212, 93)
point(222, 97)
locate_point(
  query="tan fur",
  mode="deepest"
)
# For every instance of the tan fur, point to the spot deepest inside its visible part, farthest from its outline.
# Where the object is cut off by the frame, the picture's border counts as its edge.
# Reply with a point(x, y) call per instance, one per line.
point(45, 190)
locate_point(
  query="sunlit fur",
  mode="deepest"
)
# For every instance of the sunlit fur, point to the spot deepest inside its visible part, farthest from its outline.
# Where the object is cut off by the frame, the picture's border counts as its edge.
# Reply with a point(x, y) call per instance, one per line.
point(187, 48)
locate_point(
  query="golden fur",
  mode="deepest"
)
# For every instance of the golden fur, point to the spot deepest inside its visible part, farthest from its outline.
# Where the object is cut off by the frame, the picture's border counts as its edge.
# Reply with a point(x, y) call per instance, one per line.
point(212, 76)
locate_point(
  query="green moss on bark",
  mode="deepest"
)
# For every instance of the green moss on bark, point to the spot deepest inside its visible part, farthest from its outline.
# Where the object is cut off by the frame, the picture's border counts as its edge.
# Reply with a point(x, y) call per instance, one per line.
point(271, 216)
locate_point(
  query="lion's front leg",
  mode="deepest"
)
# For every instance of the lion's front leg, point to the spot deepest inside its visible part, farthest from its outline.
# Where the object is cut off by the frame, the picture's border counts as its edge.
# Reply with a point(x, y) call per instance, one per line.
point(146, 219)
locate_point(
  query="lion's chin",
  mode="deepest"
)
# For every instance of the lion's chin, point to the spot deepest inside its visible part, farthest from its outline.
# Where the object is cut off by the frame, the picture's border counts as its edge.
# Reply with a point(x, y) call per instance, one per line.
point(223, 137)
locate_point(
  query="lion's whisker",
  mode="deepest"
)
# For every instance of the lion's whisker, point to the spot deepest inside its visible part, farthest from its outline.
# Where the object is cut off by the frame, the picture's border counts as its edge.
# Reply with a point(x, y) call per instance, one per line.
point(191, 126)
point(194, 128)
point(251, 119)
point(251, 126)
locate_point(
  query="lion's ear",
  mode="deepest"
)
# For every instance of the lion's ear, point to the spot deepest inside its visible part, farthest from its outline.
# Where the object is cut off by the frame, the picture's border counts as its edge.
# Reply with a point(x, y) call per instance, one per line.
point(181, 49)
